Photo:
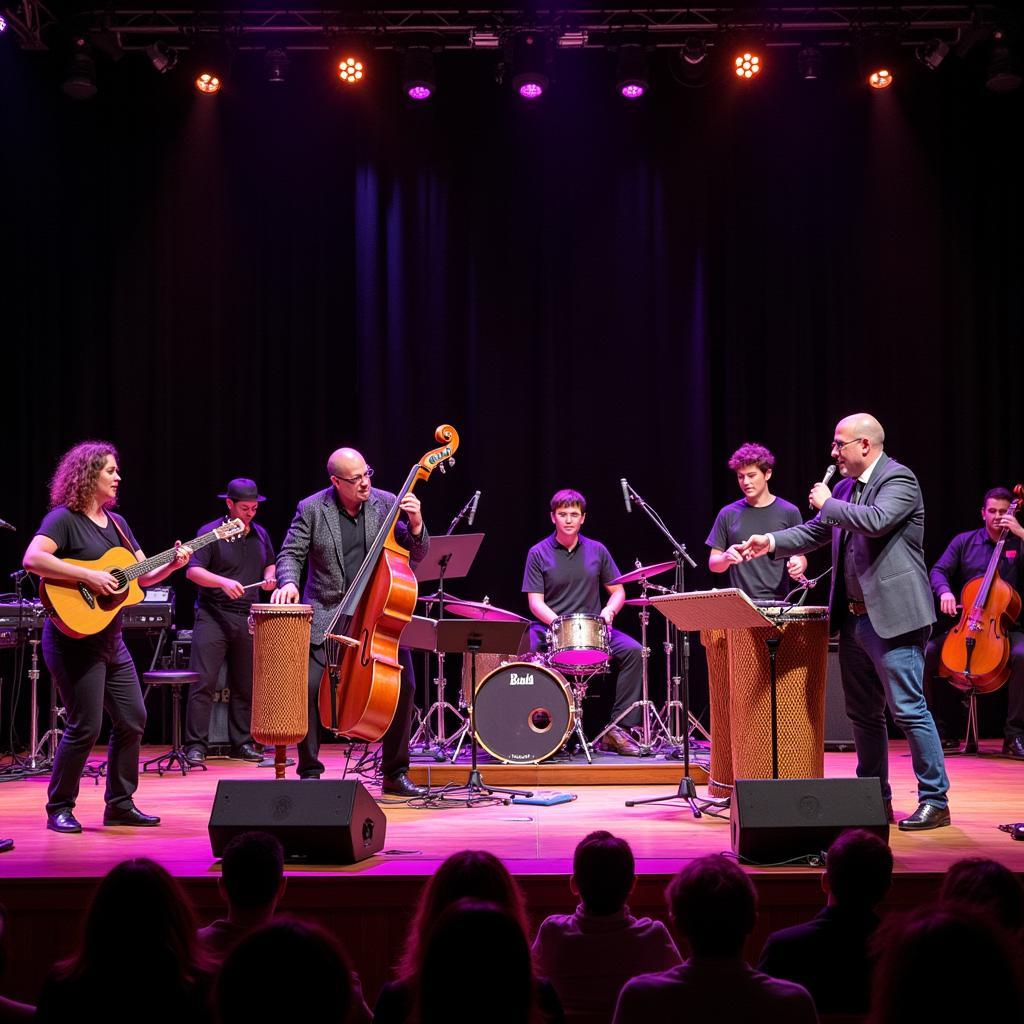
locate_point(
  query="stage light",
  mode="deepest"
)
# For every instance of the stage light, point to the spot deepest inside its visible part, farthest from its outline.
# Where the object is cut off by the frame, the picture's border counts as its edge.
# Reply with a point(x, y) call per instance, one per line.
point(3, 24)
point(162, 57)
point(747, 65)
point(880, 78)
point(529, 65)
point(418, 82)
point(1003, 74)
point(932, 53)
point(809, 61)
point(80, 77)
point(276, 63)
point(351, 70)
point(208, 83)
point(633, 77)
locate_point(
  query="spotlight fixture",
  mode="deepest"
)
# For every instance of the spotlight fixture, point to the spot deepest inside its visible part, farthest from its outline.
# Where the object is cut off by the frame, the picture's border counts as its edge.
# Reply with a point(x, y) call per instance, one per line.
point(879, 56)
point(808, 61)
point(208, 83)
point(3, 24)
point(932, 53)
point(633, 78)
point(275, 63)
point(351, 70)
point(529, 64)
point(162, 57)
point(1003, 73)
point(418, 82)
point(694, 50)
point(80, 77)
point(880, 78)
point(747, 65)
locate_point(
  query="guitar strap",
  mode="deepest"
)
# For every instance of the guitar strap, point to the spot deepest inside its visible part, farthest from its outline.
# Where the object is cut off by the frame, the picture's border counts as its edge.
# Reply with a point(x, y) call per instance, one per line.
point(117, 526)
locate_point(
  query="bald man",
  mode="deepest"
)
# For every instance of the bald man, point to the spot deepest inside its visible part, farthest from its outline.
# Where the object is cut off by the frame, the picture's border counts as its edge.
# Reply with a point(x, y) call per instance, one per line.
point(331, 532)
point(880, 604)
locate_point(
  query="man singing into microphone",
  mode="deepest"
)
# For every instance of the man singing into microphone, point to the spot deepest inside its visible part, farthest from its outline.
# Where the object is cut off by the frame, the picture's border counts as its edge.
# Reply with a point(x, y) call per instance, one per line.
point(758, 511)
point(880, 604)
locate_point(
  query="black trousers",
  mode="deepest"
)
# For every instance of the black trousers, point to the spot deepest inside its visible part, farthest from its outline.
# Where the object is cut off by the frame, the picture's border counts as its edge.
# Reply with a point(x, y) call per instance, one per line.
point(394, 743)
point(220, 636)
point(947, 702)
point(94, 674)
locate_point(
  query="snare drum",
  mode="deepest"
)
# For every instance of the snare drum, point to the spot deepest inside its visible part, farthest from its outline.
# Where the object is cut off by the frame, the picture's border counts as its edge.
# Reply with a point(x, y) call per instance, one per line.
point(524, 713)
point(578, 642)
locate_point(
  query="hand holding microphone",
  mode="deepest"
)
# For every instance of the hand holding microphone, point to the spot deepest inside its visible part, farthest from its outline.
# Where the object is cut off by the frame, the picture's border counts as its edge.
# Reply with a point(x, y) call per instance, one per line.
point(820, 492)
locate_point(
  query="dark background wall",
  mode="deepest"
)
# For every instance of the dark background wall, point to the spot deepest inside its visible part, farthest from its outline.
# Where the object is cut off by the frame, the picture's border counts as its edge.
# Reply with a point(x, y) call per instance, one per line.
point(238, 286)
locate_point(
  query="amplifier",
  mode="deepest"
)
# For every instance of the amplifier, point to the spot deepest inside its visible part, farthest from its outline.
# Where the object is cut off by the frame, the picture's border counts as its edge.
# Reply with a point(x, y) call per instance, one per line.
point(25, 614)
point(8, 637)
point(148, 615)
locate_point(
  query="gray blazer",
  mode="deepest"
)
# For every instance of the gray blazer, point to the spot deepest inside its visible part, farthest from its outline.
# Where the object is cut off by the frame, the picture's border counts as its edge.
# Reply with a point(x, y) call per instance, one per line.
point(315, 537)
point(887, 549)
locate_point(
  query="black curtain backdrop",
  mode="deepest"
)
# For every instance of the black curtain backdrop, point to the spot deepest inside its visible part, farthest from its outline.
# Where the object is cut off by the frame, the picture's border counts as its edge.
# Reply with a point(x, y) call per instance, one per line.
point(238, 286)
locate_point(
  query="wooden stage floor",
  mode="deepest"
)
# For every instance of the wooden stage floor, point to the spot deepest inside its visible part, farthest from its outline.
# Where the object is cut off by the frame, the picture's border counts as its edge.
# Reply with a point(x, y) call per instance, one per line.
point(46, 880)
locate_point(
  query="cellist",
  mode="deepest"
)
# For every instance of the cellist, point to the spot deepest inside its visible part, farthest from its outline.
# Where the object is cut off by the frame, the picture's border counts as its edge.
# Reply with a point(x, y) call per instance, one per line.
point(968, 556)
point(330, 534)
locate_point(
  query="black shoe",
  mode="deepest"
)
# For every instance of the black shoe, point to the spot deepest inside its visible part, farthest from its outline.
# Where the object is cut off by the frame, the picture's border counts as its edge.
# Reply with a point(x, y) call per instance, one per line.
point(948, 743)
point(309, 775)
point(247, 752)
point(195, 756)
point(1014, 747)
point(402, 785)
point(63, 821)
point(925, 817)
point(132, 816)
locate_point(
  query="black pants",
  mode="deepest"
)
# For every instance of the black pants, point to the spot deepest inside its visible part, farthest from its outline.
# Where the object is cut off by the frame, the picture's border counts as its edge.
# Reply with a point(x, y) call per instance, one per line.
point(394, 743)
point(94, 674)
point(219, 636)
point(947, 702)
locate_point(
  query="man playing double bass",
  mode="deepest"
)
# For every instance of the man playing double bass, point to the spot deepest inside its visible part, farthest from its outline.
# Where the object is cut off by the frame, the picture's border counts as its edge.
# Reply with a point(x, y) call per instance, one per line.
point(330, 534)
point(967, 557)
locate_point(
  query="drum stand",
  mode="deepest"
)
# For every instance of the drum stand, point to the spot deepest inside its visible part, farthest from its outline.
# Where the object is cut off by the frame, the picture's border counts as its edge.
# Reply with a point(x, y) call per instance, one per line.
point(578, 681)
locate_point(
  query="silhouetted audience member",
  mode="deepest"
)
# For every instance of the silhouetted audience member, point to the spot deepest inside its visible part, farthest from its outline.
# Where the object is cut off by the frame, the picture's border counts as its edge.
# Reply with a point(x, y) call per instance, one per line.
point(252, 882)
point(988, 887)
point(472, 874)
point(11, 1010)
point(288, 970)
point(945, 965)
point(476, 966)
point(830, 955)
point(589, 955)
point(714, 908)
point(138, 957)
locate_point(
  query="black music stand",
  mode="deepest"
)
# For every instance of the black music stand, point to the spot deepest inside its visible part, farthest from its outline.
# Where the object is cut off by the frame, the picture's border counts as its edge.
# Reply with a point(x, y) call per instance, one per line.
point(450, 557)
point(473, 637)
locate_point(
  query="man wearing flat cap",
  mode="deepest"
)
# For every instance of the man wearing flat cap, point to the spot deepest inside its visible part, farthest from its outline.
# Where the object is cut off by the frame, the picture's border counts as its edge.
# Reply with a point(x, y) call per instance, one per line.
point(228, 575)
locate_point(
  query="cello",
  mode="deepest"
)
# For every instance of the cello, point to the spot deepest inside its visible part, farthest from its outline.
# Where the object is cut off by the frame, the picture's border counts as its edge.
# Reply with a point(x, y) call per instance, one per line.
point(976, 651)
point(360, 684)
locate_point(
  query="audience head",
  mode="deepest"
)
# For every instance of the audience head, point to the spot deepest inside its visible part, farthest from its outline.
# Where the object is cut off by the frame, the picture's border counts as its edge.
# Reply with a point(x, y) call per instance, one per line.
point(945, 963)
point(475, 874)
point(603, 872)
point(480, 939)
point(988, 887)
point(713, 906)
point(858, 869)
point(252, 871)
point(287, 970)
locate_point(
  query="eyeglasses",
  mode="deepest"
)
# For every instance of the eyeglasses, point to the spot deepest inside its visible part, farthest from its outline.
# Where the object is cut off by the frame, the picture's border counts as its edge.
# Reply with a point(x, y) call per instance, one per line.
point(356, 479)
point(838, 446)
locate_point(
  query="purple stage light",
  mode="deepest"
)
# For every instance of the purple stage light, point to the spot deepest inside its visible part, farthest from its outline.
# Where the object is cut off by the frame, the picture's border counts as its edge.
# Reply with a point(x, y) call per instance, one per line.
point(419, 92)
point(531, 90)
point(632, 92)
point(3, 24)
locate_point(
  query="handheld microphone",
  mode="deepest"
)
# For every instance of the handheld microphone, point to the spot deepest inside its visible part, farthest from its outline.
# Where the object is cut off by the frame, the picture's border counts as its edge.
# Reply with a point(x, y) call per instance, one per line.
point(473, 502)
point(625, 494)
point(829, 473)
point(4, 525)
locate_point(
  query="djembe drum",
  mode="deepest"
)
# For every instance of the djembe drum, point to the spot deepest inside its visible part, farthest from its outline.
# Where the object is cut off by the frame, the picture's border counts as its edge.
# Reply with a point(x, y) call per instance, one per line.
point(801, 669)
point(280, 673)
point(720, 774)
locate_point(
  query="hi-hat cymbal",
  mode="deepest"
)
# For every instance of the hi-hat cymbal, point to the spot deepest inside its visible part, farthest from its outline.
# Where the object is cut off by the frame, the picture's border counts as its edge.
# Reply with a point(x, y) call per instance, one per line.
point(480, 610)
point(644, 572)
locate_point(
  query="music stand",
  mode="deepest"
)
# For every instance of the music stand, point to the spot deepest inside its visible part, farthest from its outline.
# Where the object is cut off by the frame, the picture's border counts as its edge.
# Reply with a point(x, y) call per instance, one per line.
point(473, 637)
point(449, 557)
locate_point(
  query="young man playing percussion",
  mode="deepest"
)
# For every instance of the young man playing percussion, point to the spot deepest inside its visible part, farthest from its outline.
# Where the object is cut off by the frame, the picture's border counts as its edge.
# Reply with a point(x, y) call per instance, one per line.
point(564, 575)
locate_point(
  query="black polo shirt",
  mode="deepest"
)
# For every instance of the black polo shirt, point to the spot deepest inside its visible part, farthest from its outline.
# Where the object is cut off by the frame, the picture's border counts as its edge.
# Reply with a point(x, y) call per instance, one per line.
point(572, 582)
point(968, 556)
point(243, 558)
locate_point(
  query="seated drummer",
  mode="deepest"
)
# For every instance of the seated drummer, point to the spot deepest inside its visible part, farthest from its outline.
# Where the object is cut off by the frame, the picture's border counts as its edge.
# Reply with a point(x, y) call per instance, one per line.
point(564, 576)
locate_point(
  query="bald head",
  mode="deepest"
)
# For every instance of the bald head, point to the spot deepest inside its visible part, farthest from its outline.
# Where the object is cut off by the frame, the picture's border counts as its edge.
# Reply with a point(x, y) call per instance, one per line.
point(863, 424)
point(345, 462)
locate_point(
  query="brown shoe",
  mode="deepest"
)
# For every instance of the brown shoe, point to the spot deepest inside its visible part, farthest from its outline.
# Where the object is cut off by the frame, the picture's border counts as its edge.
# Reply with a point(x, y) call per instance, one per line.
point(618, 741)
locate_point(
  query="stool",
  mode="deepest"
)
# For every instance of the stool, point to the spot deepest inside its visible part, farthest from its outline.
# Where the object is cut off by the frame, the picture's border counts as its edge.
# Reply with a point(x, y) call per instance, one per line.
point(176, 755)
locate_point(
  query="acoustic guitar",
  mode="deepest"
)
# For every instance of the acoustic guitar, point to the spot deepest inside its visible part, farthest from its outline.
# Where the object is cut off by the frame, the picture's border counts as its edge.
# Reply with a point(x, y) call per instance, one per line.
point(76, 611)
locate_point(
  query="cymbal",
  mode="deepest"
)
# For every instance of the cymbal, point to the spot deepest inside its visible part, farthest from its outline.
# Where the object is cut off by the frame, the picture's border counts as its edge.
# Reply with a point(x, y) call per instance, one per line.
point(645, 572)
point(480, 610)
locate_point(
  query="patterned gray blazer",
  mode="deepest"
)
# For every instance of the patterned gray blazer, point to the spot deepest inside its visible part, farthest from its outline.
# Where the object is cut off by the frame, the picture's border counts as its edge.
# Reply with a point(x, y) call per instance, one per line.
point(314, 540)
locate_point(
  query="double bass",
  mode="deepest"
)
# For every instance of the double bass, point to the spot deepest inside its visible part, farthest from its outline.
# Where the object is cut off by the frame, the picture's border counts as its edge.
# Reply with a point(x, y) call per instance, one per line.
point(976, 651)
point(360, 685)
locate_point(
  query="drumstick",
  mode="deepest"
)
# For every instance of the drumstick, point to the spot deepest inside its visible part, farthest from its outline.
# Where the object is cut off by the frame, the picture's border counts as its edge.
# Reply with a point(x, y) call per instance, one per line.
point(258, 583)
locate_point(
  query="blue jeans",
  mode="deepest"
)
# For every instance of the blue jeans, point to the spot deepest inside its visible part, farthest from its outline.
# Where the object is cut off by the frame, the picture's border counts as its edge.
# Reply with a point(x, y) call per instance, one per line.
point(876, 672)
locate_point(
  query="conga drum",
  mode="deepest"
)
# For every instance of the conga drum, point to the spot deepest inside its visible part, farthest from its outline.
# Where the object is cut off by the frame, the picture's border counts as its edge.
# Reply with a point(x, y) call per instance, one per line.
point(801, 668)
point(280, 674)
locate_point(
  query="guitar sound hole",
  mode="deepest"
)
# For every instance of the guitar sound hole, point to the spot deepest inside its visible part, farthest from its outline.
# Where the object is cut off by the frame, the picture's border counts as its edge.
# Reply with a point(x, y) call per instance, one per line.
point(122, 580)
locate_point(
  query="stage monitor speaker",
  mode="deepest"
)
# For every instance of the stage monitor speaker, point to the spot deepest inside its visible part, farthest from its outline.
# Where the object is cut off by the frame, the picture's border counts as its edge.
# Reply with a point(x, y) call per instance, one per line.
point(333, 821)
point(778, 820)
point(838, 728)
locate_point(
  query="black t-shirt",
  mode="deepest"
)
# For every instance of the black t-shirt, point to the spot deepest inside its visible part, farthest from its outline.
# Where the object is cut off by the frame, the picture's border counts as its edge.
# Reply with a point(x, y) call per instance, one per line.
point(242, 558)
point(353, 540)
point(571, 581)
point(761, 578)
point(77, 536)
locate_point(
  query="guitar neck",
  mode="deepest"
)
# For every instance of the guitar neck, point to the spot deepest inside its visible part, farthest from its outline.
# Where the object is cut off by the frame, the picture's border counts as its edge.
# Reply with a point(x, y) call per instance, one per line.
point(156, 561)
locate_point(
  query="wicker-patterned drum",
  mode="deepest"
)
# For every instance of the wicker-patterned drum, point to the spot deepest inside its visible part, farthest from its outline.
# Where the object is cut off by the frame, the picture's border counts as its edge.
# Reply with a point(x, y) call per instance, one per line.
point(280, 673)
point(720, 776)
point(801, 669)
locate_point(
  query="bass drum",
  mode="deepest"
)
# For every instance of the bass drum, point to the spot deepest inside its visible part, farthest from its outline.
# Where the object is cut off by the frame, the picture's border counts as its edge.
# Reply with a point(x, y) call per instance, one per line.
point(524, 713)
